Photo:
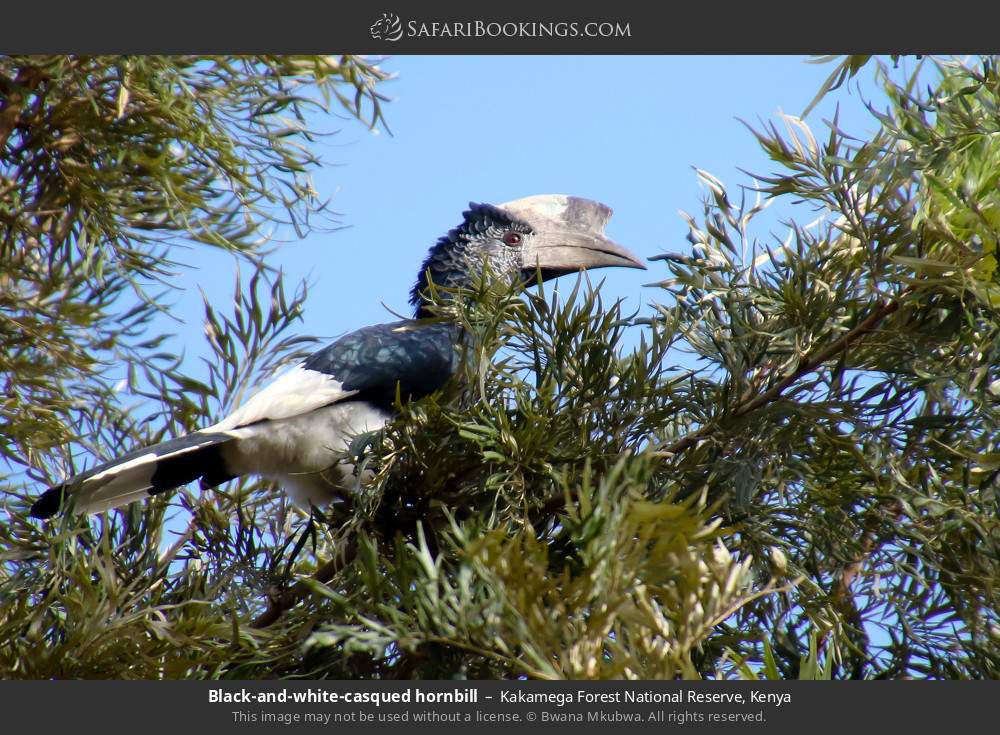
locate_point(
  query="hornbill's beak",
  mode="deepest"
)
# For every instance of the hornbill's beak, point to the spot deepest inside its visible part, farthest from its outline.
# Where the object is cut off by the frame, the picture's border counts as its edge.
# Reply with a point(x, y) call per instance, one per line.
point(568, 235)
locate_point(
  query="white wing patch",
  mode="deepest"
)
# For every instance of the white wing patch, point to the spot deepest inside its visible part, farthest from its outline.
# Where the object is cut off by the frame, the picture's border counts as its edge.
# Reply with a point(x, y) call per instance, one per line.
point(293, 393)
point(305, 453)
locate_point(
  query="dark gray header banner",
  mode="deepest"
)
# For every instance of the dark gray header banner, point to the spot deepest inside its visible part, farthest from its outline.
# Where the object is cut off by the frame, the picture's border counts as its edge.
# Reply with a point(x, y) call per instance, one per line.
point(515, 706)
point(515, 27)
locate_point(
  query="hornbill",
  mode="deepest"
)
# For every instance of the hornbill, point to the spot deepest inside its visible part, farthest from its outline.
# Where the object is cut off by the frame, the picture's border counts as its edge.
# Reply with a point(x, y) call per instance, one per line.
point(298, 429)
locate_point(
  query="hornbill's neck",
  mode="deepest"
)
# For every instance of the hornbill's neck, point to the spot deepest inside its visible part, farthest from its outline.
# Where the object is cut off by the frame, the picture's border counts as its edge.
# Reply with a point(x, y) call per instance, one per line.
point(458, 257)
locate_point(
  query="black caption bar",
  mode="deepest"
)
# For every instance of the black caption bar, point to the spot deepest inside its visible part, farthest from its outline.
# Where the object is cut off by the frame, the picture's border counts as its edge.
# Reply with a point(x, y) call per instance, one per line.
point(512, 27)
point(250, 707)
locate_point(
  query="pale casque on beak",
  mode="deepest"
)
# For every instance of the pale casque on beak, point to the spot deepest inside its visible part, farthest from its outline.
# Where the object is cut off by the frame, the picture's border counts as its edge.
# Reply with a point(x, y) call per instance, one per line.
point(569, 235)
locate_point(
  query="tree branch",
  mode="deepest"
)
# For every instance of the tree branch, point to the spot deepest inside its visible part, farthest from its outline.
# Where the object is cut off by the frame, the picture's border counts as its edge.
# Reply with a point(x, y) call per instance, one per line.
point(769, 396)
point(288, 599)
point(11, 107)
point(777, 390)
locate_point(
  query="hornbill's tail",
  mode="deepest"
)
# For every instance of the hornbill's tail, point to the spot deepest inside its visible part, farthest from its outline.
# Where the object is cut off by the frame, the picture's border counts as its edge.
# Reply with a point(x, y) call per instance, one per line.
point(140, 473)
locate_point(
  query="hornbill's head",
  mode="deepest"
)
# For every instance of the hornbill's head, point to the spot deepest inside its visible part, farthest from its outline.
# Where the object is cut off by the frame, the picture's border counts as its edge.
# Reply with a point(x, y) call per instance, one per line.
point(551, 233)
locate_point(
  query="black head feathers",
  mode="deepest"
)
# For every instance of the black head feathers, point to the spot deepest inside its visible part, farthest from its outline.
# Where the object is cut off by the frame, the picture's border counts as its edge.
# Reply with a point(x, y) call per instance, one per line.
point(451, 259)
point(551, 234)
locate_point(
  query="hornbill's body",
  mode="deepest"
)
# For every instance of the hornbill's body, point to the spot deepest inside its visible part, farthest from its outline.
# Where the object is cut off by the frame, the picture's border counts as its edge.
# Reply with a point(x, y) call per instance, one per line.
point(297, 429)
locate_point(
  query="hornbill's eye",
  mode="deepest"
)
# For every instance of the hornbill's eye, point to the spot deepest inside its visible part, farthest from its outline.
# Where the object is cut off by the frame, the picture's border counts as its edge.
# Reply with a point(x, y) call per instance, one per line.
point(512, 238)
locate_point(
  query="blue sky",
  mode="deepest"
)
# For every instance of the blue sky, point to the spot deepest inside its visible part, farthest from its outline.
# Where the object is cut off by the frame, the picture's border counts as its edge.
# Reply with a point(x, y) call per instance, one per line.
point(623, 130)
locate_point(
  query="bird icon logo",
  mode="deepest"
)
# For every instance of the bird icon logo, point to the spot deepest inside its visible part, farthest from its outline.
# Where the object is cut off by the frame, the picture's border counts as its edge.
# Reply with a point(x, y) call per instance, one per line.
point(387, 28)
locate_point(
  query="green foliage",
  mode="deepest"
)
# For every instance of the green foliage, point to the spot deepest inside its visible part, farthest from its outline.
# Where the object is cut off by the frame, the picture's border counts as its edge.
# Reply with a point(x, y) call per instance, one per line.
point(106, 163)
point(110, 168)
point(853, 386)
point(814, 498)
point(547, 547)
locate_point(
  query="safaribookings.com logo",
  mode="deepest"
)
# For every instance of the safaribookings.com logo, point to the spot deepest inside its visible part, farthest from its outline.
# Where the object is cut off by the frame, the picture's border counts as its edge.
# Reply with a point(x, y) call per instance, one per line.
point(390, 28)
point(387, 28)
